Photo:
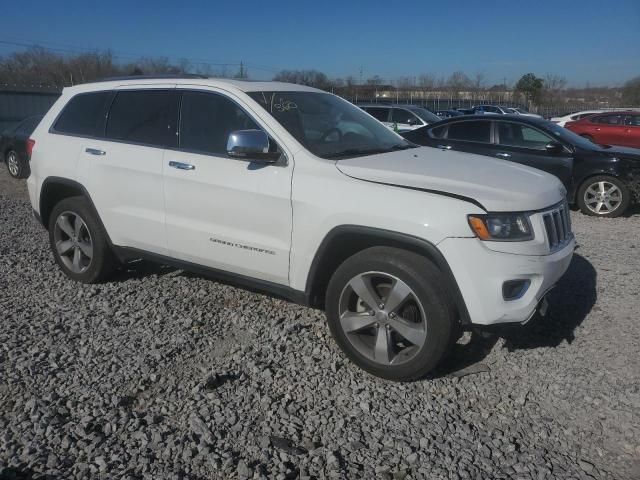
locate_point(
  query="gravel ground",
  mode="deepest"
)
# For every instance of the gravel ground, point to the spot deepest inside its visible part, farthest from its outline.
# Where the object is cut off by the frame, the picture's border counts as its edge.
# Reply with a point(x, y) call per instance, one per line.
point(163, 374)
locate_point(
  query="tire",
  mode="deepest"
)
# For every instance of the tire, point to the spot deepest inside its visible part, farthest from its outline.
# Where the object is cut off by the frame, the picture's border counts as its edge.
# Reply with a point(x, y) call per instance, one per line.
point(16, 166)
point(426, 316)
point(614, 201)
point(85, 241)
point(588, 137)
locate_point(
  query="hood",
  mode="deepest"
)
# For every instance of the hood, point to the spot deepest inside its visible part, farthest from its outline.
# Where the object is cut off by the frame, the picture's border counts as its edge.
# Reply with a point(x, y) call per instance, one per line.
point(615, 150)
point(497, 185)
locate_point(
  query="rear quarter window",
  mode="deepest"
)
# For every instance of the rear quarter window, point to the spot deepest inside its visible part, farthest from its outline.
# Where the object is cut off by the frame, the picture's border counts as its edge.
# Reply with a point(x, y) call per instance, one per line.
point(83, 115)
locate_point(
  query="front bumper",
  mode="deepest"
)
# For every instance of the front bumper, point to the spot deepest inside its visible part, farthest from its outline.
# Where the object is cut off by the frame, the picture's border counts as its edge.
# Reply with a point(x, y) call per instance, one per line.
point(481, 273)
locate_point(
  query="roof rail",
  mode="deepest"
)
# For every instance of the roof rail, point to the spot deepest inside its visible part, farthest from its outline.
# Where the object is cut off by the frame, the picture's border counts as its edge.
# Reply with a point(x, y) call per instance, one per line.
point(164, 76)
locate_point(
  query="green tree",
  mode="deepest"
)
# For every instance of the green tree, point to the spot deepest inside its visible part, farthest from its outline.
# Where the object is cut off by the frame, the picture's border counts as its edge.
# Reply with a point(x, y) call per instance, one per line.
point(631, 92)
point(531, 87)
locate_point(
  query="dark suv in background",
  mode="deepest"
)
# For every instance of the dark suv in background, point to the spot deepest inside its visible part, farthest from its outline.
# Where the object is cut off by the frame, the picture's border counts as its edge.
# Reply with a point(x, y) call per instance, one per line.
point(601, 180)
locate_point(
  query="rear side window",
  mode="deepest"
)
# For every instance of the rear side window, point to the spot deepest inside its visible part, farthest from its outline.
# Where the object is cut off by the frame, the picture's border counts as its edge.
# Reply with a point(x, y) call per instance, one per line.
point(207, 119)
point(380, 114)
point(470, 131)
point(633, 120)
point(148, 117)
point(83, 115)
point(518, 135)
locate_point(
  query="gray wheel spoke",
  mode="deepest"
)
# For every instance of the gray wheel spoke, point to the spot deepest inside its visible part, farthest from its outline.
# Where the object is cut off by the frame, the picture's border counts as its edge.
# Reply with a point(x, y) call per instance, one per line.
point(77, 226)
point(382, 350)
point(352, 322)
point(86, 248)
point(364, 289)
point(414, 332)
point(76, 258)
point(64, 246)
point(399, 293)
point(65, 225)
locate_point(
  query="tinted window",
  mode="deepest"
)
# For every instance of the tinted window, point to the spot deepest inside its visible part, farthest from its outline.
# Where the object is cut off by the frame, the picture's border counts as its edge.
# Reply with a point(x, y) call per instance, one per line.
point(608, 119)
point(438, 132)
point(148, 117)
point(633, 120)
point(207, 120)
point(470, 131)
point(518, 135)
point(381, 114)
point(400, 115)
point(83, 115)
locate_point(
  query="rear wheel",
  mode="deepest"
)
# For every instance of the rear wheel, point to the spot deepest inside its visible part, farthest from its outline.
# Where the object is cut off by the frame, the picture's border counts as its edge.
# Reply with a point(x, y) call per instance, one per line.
point(388, 312)
point(16, 166)
point(603, 196)
point(78, 241)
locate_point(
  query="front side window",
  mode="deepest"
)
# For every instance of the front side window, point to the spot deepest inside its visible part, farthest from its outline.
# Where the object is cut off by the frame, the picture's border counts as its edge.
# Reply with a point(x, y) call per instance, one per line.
point(608, 119)
point(380, 114)
point(206, 121)
point(405, 117)
point(523, 136)
point(472, 131)
point(632, 120)
point(327, 125)
point(148, 117)
point(83, 115)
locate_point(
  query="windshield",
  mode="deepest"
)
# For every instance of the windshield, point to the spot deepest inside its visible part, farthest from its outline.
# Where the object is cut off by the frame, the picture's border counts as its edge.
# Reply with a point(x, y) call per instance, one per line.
point(329, 126)
point(570, 137)
point(426, 115)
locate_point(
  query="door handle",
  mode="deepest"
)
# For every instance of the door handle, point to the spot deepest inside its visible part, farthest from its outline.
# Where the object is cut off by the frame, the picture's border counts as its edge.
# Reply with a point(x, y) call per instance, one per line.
point(182, 166)
point(95, 151)
point(445, 147)
point(503, 155)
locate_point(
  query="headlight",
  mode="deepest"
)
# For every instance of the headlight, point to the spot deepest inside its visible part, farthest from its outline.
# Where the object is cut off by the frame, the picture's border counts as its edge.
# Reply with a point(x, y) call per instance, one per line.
point(502, 227)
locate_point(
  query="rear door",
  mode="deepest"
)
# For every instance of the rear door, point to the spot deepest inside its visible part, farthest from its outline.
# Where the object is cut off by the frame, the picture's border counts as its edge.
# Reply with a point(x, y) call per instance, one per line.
point(609, 129)
point(122, 170)
point(472, 136)
point(525, 144)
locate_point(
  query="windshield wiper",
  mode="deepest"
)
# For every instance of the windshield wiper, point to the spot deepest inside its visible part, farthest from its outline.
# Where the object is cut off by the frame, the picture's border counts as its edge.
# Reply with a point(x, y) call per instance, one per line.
point(368, 151)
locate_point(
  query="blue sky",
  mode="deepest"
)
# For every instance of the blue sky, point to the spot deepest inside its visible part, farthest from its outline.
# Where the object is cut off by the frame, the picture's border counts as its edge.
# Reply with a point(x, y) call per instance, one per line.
point(583, 40)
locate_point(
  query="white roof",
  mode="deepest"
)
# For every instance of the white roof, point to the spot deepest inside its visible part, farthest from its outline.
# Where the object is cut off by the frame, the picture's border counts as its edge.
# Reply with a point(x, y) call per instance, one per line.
point(227, 84)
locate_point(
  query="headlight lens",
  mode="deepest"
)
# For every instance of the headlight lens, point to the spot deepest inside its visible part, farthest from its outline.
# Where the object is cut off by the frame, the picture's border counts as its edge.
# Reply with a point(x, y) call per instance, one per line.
point(507, 227)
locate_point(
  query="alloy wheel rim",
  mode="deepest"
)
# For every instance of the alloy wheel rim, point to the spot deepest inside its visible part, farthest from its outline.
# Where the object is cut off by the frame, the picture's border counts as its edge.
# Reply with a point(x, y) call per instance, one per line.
point(382, 318)
point(602, 197)
point(73, 242)
point(12, 163)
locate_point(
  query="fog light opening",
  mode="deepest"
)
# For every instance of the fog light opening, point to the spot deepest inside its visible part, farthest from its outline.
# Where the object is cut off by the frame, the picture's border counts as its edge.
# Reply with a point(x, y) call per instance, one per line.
point(514, 289)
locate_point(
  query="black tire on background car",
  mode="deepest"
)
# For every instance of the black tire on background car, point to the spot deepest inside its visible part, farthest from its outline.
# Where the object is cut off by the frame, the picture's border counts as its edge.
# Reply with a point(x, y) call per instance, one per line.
point(603, 196)
point(16, 166)
point(389, 312)
point(78, 241)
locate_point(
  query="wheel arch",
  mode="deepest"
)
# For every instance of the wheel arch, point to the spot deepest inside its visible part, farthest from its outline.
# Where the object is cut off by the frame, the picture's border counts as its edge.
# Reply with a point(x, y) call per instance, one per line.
point(56, 189)
point(346, 240)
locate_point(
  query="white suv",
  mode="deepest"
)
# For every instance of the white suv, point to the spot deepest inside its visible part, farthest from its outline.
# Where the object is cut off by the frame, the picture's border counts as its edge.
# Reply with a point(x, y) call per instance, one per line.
point(299, 193)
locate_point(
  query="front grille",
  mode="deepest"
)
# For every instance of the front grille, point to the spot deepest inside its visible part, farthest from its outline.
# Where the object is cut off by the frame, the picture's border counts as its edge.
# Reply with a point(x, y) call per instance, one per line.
point(557, 224)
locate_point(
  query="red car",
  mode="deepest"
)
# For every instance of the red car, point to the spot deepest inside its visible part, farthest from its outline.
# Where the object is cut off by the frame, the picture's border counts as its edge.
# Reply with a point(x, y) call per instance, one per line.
point(610, 128)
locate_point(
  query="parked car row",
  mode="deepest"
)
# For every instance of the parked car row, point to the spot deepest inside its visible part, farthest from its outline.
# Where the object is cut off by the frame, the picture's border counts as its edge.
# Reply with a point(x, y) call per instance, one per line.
point(13, 147)
point(601, 179)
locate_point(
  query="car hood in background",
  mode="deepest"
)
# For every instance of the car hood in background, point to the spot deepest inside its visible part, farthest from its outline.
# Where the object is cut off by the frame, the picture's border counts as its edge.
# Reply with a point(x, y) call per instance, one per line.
point(497, 185)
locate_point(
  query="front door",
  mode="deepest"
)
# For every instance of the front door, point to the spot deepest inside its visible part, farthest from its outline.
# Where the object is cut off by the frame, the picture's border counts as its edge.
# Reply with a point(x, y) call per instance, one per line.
point(525, 144)
point(225, 213)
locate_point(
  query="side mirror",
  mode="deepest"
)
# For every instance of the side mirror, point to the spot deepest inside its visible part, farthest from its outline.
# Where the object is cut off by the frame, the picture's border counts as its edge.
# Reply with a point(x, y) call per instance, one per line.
point(554, 147)
point(251, 145)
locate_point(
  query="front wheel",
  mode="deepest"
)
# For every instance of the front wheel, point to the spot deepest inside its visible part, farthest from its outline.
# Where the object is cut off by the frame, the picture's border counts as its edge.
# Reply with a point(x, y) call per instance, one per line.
point(389, 313)
point(603, 196)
